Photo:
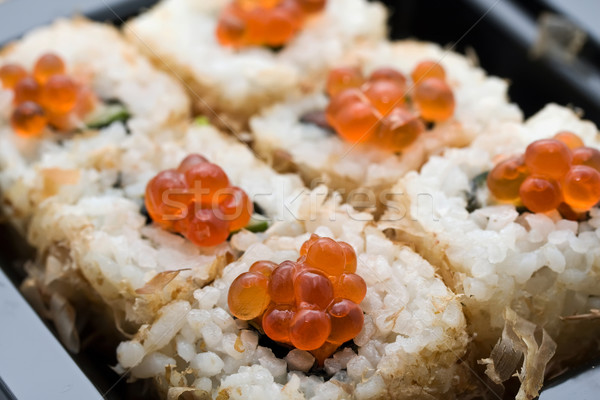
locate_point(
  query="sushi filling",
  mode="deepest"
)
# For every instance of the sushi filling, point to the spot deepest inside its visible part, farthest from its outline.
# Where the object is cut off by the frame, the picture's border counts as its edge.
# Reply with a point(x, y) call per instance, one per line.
point(197, 201)
point(311, 304)
point(553, 174)
point(264, 22)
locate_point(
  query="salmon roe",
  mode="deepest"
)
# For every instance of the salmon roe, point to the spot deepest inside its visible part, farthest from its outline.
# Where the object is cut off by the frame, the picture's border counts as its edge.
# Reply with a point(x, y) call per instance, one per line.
point(540, 194)
point(311, 304)
point(434, 99)
point(197, 201)
point(570, 139)
point(344, 78)
point(59, 100)
point(28, 119)
point(398, 130)
point(428, 69)
point(553, 174)
point(10, 74)
point(548, 157)
point(504, 181)
point(581, 187)
point(587, 156)
point(384, 95)
point(264, 22)
point(381, 111)
point(47, 66)
point(27, 89)
point(59, 94)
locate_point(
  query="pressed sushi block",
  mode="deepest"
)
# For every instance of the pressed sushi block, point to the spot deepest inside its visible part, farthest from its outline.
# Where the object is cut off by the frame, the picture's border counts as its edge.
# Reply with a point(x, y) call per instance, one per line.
point(70, 94)
point(512, 223)
point(383, 111)
point(235, 78)
point(412, 338)
point(96, 60)
point(116, 247)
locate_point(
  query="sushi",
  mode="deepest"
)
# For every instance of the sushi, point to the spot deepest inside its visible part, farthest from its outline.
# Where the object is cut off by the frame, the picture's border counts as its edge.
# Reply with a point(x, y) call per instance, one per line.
point(118, 94)
point(410, 346)
point(233, 81)
point(523, 274)
point(298, 135)
point(105, 245)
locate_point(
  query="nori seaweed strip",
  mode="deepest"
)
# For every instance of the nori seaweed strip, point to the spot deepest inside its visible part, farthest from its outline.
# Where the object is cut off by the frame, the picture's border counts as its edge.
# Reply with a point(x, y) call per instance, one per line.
point(144, 212)
point(476, 183)
point(276, 49)
point(258, 209)
point(119, 181)
point(317, 118)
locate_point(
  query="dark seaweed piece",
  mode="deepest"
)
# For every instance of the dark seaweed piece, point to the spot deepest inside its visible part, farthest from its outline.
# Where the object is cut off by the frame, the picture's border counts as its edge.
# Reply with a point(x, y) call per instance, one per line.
point(480, 180)
point(522, 209)
point(144, 212)
point(350, 344)
point(317, 118)
point(276, 49)
point(258, 209)
point(119, 181)
point(319, 371)
point(476, 183)
point(280, 350)
point(472, 202)
point(112, 101)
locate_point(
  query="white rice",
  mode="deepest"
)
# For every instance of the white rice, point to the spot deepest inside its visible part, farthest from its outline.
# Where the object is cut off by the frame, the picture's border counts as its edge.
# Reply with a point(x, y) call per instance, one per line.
point(180, 36)
point(320, 155)
point(413, 337)
point(539, 265)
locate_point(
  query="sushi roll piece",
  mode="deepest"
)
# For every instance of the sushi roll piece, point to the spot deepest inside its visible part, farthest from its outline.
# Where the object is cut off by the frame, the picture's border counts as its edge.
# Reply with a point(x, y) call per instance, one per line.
point(70, 93)
point(239, 56)
point(512, 224)
point(383, 111)
point(119, 248)
point(410, 345)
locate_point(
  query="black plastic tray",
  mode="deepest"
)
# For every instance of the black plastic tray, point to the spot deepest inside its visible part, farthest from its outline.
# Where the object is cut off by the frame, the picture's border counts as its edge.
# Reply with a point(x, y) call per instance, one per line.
point(503, 41)
point(502, 34)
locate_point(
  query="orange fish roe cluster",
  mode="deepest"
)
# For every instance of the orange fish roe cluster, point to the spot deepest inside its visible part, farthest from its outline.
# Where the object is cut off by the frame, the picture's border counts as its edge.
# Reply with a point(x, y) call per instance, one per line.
point(46, 96)
point(264, 22)
point(559, 173)
point(382, 110)
point(311, 304)
point(197, 201)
